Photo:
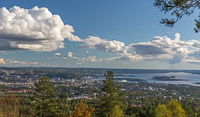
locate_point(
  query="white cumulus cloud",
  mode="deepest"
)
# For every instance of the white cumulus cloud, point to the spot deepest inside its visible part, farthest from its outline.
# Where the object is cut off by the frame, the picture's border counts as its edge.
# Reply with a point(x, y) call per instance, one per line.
point(164, 48)
point(2, 61)
point(57, 54)
point(35, 29)
point(70, 54)
point(100, 44)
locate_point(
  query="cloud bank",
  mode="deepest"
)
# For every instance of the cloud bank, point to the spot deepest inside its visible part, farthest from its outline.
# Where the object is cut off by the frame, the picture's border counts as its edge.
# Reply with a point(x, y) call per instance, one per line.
point(160, 48)
point(21, 63)
point(35, 29)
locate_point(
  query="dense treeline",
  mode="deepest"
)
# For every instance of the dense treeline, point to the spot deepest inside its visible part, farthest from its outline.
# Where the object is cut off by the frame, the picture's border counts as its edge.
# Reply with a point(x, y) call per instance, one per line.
point(111, 102)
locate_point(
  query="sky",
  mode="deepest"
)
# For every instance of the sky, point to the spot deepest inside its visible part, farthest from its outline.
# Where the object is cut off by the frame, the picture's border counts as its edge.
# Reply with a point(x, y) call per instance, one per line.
point(94, 34)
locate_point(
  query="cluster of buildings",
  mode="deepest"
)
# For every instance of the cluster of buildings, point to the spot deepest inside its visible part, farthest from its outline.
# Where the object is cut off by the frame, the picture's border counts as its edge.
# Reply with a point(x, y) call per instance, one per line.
point(85, 87)
point(22, 82)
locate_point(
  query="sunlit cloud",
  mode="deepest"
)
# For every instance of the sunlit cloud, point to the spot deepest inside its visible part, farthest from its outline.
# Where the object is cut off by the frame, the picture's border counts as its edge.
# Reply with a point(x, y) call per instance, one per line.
point(35, 29)
point(2, 61)
point(23, 63)
point(69, 54)
point(57, 54)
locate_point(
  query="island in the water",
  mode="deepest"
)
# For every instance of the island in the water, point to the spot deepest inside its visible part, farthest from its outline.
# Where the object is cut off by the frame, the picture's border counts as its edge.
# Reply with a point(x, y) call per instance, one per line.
point(197, 83)
point(167, 78)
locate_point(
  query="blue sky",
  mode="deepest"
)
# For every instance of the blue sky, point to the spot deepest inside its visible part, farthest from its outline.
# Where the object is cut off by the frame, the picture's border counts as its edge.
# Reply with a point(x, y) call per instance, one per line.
point(109, 34)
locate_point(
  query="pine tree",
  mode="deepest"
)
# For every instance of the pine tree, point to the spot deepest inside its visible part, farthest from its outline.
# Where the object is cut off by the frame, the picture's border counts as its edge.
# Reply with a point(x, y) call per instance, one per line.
point(110, 104)
point(26, 109)
point(64, 108)
point(178, 9)
point(44, 100)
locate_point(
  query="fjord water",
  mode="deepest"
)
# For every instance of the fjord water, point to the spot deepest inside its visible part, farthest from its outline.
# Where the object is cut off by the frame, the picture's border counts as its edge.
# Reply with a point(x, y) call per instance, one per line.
point(192, 79)
point(185, 77)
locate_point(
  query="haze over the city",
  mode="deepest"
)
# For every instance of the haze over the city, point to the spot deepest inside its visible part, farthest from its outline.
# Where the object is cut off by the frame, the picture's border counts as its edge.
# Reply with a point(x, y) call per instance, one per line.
point(94, 34)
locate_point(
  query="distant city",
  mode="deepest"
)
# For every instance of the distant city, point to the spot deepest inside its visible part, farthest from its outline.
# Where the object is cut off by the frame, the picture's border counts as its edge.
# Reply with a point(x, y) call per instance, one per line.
point(82, 83)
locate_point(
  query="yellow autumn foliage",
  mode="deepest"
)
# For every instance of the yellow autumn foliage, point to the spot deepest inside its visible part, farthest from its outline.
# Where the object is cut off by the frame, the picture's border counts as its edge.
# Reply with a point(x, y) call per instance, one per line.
point(172, 109)
point(82, 111)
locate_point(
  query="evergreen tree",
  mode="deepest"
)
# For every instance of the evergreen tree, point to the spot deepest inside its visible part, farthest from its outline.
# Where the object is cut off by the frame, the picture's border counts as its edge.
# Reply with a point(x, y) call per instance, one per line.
point(45, 100)
point(110, 104)
point(64, 108)
point(26, 109)
point(189, 111)
point(178, 9)
point(147, 111)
